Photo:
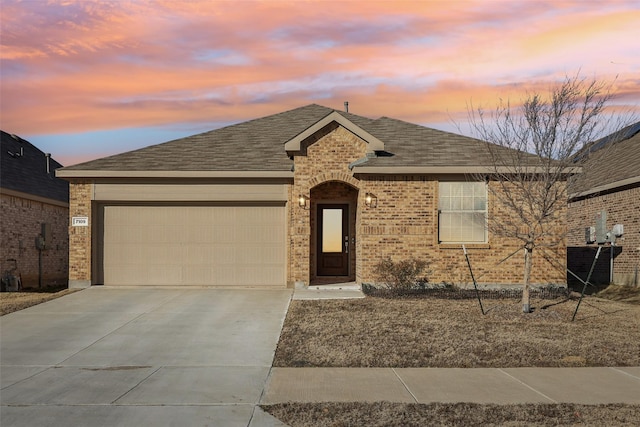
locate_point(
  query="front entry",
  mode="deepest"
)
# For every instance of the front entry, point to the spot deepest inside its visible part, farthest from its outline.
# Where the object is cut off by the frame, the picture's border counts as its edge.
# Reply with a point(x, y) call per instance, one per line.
point(333, 240)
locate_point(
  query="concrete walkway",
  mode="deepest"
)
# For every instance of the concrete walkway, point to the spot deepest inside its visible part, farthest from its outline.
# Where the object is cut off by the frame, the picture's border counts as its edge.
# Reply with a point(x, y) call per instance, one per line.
point(141, 357)
point(337, 291)
point(134, 357)
point(427, 385)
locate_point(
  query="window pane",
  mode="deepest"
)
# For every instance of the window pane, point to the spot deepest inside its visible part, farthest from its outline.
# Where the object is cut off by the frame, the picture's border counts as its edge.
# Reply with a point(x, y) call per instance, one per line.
point(467, 203)
point(332, 230)
point(445, 202)
point(467, 188)
point(463, 207)
point(456, 203)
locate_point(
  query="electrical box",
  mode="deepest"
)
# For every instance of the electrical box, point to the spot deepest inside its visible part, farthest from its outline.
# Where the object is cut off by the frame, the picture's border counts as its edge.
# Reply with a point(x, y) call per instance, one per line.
point(601, 228)
point(618, 230)
point(45, 231)
point(590, 235)
point(40, 243)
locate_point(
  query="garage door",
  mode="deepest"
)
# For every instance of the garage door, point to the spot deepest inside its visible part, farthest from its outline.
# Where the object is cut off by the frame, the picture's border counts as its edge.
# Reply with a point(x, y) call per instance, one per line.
point(194, 245)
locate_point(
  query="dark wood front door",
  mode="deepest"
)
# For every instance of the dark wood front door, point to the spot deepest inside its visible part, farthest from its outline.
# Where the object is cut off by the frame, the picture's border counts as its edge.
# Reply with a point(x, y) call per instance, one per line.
point(333, 240)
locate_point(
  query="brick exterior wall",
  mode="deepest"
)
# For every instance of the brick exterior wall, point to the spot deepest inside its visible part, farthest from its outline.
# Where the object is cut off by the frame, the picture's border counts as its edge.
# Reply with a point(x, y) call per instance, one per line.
point(20, 224)
point(404, 224)
point(623, 207)
point(322, 160)
point(80, 193)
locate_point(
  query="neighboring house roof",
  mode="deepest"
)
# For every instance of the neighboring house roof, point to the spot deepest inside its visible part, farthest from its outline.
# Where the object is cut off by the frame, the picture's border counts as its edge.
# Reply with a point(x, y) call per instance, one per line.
point(609, 163)
point(264, 145)
point(23, 168)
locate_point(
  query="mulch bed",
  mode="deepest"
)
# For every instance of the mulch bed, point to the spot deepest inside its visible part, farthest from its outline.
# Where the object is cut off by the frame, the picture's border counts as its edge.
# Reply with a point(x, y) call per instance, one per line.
point(455, 293)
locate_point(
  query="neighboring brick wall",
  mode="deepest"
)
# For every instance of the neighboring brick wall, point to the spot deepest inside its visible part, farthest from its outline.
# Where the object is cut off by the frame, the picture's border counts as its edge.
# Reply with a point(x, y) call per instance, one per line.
point(80, 194)
point(20, 224)
point(623, 207)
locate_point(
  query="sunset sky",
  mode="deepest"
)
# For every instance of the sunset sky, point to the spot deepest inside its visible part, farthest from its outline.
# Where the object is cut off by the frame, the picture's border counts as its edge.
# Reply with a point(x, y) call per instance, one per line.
point(85, 79)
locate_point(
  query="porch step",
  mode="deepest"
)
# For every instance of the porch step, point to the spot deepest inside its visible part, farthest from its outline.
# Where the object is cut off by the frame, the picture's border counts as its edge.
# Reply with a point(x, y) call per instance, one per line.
point(333, 291)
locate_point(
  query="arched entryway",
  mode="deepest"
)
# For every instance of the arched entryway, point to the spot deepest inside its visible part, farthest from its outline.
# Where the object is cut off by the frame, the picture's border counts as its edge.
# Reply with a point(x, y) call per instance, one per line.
point(333, 233)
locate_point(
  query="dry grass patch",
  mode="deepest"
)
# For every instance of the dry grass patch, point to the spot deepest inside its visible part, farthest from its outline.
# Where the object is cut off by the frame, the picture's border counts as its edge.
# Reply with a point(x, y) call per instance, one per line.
point(431, 332)
point(452, 414)
point(14, 301)
point(630, 294)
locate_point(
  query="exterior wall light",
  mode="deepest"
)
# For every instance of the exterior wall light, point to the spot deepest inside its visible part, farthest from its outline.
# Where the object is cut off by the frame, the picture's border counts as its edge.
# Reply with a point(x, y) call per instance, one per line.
point(303, 201)
point(370, 200)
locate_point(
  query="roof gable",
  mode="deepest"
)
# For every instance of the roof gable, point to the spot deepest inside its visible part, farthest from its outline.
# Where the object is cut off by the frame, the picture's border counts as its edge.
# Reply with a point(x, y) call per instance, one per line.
point(373, 143)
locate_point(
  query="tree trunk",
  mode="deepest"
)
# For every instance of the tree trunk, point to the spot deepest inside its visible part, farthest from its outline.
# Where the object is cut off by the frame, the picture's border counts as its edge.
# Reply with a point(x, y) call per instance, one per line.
point(526, 299)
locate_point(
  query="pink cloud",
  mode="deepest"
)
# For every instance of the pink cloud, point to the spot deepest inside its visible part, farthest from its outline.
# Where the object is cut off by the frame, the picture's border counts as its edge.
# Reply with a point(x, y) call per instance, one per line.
point(80, 66)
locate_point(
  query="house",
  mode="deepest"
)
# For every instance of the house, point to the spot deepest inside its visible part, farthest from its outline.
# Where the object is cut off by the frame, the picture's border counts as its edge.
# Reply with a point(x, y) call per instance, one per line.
point(34, 204)
point(611, 183)
point(307, 196)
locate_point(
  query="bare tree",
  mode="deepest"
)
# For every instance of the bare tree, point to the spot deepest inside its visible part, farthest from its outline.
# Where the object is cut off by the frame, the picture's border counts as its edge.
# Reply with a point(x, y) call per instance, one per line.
point(531, 153)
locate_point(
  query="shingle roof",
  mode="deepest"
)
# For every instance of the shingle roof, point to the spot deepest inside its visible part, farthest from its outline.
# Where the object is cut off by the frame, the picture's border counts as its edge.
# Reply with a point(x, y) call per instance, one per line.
point(253, 145)
point(23, 168)
point(615, 159)
point(258, 145)
point(415, 145)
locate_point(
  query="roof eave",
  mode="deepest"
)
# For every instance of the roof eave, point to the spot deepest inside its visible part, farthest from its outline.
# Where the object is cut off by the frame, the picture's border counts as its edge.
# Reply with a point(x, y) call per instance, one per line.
point(382, 170)
point(606, 187)
point(74, 173)
point(34, 197)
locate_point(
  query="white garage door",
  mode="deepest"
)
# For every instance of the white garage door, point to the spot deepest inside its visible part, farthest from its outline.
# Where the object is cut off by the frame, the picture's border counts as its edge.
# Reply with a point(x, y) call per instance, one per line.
point(194, 245)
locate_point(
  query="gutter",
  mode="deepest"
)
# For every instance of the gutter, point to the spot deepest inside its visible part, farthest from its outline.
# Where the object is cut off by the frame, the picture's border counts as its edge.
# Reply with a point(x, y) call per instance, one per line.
point(606, 187)
point(73, 173)
point(452, 170)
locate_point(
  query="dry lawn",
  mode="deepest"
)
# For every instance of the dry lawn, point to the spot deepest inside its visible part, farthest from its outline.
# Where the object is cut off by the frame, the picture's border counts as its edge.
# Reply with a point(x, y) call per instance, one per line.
point(452, 414)
point(14, 301)
point(628, 294)
point(431, 332)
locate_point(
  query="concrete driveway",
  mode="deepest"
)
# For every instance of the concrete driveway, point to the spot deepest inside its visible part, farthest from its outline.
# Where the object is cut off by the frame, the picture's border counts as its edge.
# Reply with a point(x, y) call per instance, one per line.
point(136, 357)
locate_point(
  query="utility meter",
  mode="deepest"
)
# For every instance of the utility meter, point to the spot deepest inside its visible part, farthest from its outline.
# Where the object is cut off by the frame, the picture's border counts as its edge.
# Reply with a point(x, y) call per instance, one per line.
point(618, 230)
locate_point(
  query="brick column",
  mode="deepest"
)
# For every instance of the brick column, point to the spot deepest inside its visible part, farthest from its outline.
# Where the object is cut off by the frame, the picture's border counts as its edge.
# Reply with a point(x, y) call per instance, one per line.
point(80, 193)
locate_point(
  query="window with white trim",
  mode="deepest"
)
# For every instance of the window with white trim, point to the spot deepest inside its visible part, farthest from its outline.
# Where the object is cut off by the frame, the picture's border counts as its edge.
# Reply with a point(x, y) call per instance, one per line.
point(462, 211)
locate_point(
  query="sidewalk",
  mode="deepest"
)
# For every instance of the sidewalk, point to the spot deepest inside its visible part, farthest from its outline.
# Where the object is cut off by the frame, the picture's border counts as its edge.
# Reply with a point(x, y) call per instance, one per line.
point(446, 385)
point(479, 385)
